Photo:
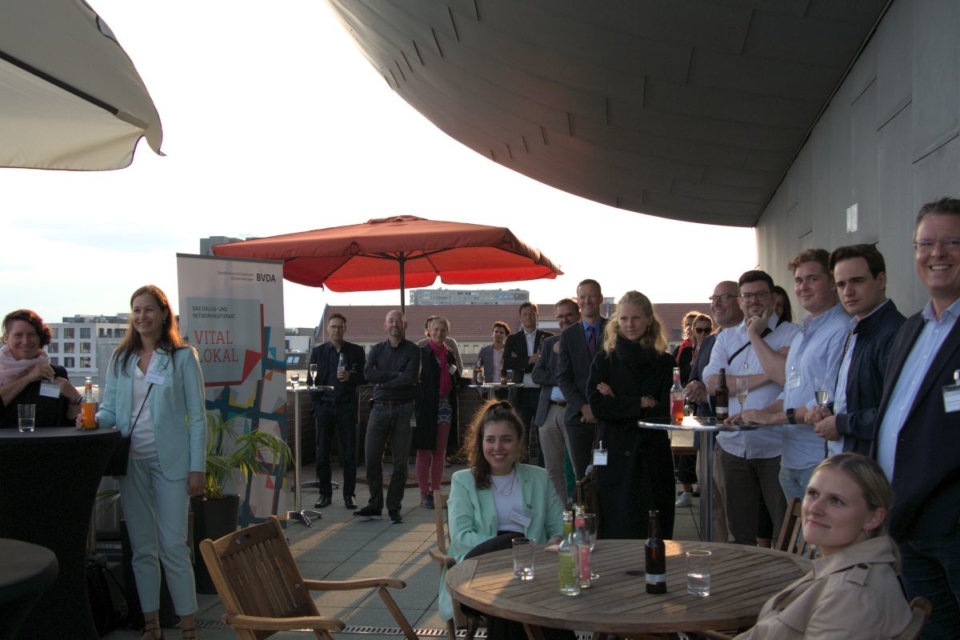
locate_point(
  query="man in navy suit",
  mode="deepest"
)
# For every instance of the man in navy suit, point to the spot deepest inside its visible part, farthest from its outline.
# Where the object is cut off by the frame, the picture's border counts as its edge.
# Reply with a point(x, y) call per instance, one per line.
point(336, 410)
point(550, 411)
point(919, 424)
point(521, 352)
point(578, 345)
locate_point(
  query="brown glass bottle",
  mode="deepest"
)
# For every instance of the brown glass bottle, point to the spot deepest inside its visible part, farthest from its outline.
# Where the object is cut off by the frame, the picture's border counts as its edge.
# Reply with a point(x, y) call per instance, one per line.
point(723, 397)
point(656, 557)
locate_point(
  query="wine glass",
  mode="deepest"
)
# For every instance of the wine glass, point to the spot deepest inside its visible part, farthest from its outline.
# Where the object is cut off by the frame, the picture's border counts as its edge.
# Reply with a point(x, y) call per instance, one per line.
point(313, 375)
point(295, 380)
point(742, 390)
point(822, 392)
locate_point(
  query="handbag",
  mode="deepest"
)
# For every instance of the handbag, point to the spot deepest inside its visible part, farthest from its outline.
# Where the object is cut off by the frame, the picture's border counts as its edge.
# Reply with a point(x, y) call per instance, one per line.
point(117, 464)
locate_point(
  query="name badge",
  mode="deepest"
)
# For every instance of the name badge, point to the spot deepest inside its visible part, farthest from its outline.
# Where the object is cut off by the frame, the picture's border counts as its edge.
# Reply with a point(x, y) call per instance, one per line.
point(520, 518)
point(49, 390)
point(154, 377)
point(951, 398)
point(793, 380)
point(599, 457)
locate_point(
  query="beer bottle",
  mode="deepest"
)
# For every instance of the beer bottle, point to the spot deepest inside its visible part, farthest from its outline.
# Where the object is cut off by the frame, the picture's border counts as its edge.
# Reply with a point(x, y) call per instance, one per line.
point(656, 557)
point(88, 406)
point(480, 373)
point(676, 398)
point(723, 397)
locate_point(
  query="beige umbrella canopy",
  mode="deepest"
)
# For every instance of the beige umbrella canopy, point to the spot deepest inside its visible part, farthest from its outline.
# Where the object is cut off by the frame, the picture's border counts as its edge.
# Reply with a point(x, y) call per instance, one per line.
point(70, 98)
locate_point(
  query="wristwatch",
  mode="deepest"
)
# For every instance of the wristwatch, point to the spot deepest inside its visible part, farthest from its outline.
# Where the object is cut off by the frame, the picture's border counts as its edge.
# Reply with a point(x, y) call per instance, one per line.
point(791, 418)
point(78, 401)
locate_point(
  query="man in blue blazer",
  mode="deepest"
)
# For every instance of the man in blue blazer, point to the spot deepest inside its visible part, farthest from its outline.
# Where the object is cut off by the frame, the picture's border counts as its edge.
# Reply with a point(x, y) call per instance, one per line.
point(578, 345)
point(919, 423)
point(337, 410)
point(490, 358)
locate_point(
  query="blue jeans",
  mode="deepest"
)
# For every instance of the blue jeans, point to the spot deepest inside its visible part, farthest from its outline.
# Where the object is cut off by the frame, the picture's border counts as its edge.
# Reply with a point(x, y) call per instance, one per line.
point(794, 481)
point(388, 422)
point(341, 418)
point(931, 568)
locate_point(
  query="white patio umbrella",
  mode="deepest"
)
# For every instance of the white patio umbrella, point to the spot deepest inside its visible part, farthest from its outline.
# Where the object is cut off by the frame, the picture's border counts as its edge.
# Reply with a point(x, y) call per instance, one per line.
point(70, 97)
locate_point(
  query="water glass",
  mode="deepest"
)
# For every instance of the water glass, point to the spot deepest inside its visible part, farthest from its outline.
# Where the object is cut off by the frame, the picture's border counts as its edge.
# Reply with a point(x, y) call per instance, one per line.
point(524, 550)
point(26, 415)
point(295, 380)
point(698, 573)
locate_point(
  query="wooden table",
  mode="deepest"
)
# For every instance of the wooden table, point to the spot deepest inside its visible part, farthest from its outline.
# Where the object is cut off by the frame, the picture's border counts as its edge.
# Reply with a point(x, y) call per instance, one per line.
point(26, 570)
point(743, 578)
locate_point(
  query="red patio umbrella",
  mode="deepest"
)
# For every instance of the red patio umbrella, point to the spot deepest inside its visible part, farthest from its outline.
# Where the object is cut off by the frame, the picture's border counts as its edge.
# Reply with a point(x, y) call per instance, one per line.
point(398, 252)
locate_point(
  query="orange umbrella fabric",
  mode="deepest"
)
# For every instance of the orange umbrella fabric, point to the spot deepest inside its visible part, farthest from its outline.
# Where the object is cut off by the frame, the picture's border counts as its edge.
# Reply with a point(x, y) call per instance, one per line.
point(398, 252)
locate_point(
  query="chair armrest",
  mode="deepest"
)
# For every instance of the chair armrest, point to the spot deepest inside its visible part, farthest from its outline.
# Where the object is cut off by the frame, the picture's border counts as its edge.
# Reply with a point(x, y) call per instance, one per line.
point(259, 623)
point(347, 585)
point(442, 559)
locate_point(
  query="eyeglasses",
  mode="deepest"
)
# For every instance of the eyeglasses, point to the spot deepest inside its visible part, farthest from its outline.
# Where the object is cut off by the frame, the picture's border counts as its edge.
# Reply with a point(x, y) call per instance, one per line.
point(759, 296)
point(702, 329)
point(722, 299)
point(924, 246)
point(337, 327)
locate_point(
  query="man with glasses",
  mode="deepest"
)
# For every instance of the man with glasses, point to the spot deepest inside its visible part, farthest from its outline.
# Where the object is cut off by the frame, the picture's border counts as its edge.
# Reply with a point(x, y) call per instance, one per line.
point(336, 410)
point(919, 421)
point(750, 460)
point(727, 314)
point(550, 411)
point(811, 365)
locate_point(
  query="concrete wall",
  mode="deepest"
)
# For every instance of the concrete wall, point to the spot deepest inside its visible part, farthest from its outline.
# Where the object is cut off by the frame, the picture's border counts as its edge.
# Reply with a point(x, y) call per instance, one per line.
point(888, 142)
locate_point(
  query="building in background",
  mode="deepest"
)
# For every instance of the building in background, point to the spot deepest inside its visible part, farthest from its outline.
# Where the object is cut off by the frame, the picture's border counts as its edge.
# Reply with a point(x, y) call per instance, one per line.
point(447, 297)
point(82, 344)
point(206, 243)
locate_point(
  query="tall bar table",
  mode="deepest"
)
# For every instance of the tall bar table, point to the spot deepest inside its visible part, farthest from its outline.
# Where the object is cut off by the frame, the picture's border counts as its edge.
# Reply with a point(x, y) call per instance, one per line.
point(303, 516)
point(709, 426)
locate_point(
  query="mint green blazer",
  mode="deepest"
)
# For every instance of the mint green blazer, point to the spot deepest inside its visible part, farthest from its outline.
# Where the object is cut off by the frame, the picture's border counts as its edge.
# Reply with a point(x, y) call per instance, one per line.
point(177, 407)
point(472, 516)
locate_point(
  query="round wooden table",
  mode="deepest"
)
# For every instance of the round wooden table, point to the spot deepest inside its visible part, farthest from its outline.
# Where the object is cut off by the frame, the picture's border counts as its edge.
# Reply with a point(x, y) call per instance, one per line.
point(743, 578)
point(26, 570)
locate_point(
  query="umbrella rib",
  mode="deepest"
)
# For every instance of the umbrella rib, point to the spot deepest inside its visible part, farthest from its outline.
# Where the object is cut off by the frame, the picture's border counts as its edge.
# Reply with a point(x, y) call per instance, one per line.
point(59, 83)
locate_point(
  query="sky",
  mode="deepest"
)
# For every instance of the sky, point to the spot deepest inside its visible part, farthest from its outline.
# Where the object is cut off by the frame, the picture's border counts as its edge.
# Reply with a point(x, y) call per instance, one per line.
point(274, 122)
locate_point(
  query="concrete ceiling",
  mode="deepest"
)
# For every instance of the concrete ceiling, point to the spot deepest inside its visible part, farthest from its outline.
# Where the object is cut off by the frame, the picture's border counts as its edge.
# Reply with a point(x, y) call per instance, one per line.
point(685, 109)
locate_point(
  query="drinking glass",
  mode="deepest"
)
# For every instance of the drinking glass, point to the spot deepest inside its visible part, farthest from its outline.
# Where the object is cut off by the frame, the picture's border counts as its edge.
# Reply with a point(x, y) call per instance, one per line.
point(590, 531)
point(295, 380)
point(822, 392)
point(698, 573)
point(524, 556)
point(742, 391)
point(26, 413)
point(313, 375)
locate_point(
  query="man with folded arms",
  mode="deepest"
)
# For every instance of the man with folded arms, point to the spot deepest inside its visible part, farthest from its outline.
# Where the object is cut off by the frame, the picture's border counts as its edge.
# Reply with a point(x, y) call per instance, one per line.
point(750, 460)
point(393, 368)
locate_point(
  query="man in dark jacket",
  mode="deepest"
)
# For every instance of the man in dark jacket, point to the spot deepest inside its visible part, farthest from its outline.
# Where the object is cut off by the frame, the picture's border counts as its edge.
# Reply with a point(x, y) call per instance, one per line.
point(339, 365)
point(861, 278)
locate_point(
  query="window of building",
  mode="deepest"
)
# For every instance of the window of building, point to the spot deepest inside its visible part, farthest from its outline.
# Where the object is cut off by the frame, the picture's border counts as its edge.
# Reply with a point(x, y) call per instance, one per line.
point(85, 347)
point(68, 333)
point(119, 333)
point(69, 347)
point(68, 363)
point(55, 360)
point(85, 362)
point(85, 333)
point(53, 347)
point(54, 332)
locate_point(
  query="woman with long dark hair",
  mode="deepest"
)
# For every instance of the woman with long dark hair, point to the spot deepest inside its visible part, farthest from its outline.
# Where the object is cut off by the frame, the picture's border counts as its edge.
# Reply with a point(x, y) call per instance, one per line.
point(154, 396)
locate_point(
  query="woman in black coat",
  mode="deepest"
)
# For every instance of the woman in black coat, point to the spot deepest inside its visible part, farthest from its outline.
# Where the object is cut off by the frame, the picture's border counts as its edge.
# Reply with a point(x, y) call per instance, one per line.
point(630, 380)
point(436, 409)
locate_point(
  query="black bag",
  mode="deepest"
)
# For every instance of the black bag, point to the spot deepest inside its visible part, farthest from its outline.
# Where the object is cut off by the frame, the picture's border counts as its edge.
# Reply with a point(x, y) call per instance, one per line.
point(117, 464)
point(107, 604)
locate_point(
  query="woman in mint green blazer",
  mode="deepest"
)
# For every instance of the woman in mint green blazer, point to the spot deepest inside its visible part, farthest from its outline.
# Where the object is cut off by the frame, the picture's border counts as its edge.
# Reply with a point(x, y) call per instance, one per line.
point(154, 396)
point(497, 498)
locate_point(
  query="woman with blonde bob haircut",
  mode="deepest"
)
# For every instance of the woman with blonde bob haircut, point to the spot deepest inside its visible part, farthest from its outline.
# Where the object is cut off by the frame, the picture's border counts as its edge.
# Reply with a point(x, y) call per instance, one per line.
point(630, 380)
point(852, 591)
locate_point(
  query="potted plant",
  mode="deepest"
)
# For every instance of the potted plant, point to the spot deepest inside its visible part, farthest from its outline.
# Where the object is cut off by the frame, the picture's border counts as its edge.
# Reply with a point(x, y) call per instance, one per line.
point(228, 454)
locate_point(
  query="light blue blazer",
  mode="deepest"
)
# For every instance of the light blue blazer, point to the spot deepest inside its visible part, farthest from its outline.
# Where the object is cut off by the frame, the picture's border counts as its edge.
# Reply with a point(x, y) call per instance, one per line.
point(177, 407)
point(472, 516)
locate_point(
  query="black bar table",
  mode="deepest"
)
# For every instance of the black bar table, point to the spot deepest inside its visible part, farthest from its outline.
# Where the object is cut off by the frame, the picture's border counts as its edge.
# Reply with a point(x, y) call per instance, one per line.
point(48, 485)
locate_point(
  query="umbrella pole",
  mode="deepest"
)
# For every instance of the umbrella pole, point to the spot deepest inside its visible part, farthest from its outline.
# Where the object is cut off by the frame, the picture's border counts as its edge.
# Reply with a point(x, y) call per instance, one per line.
point(403, 297)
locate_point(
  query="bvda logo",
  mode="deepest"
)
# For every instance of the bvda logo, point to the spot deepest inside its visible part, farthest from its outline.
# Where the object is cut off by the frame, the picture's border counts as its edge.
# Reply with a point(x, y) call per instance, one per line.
point(266, 277)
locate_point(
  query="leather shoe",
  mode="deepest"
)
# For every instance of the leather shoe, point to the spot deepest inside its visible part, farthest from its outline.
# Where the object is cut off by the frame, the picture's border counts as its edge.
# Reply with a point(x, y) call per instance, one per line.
point(350, 503)
point(324, 501)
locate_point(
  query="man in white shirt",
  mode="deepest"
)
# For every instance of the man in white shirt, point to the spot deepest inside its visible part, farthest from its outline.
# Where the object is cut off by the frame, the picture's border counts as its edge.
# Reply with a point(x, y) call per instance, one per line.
point(750, 460)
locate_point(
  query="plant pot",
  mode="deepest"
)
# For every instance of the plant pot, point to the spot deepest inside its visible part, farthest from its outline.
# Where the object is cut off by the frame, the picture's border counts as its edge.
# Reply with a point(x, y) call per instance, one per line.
point(211, 519)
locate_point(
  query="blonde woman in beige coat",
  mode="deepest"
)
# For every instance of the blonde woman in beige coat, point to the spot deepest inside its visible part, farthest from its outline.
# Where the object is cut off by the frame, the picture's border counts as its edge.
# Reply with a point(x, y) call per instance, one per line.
point(852, 592)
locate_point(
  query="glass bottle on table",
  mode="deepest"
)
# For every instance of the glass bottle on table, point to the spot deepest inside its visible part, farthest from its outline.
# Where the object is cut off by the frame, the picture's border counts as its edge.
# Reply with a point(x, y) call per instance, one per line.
point(723, 397)
point(677, 400)
point(88, 406)
point(479, 374)
point(655, 552)
point(568, 559)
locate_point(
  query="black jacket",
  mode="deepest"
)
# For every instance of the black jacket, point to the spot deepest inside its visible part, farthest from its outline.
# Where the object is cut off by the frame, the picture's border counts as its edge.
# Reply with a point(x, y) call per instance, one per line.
point(428, 400)
point(875, 336)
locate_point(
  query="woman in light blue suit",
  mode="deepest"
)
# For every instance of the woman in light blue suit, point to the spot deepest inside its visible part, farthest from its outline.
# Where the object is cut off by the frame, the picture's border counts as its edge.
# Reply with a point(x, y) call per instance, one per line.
point(498, 499)
point(154, 395)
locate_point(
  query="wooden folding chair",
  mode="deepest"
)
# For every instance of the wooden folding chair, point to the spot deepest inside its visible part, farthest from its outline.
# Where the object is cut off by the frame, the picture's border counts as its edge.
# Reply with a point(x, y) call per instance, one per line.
point(791, 532)
point(263, 592)
point(439, 555)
